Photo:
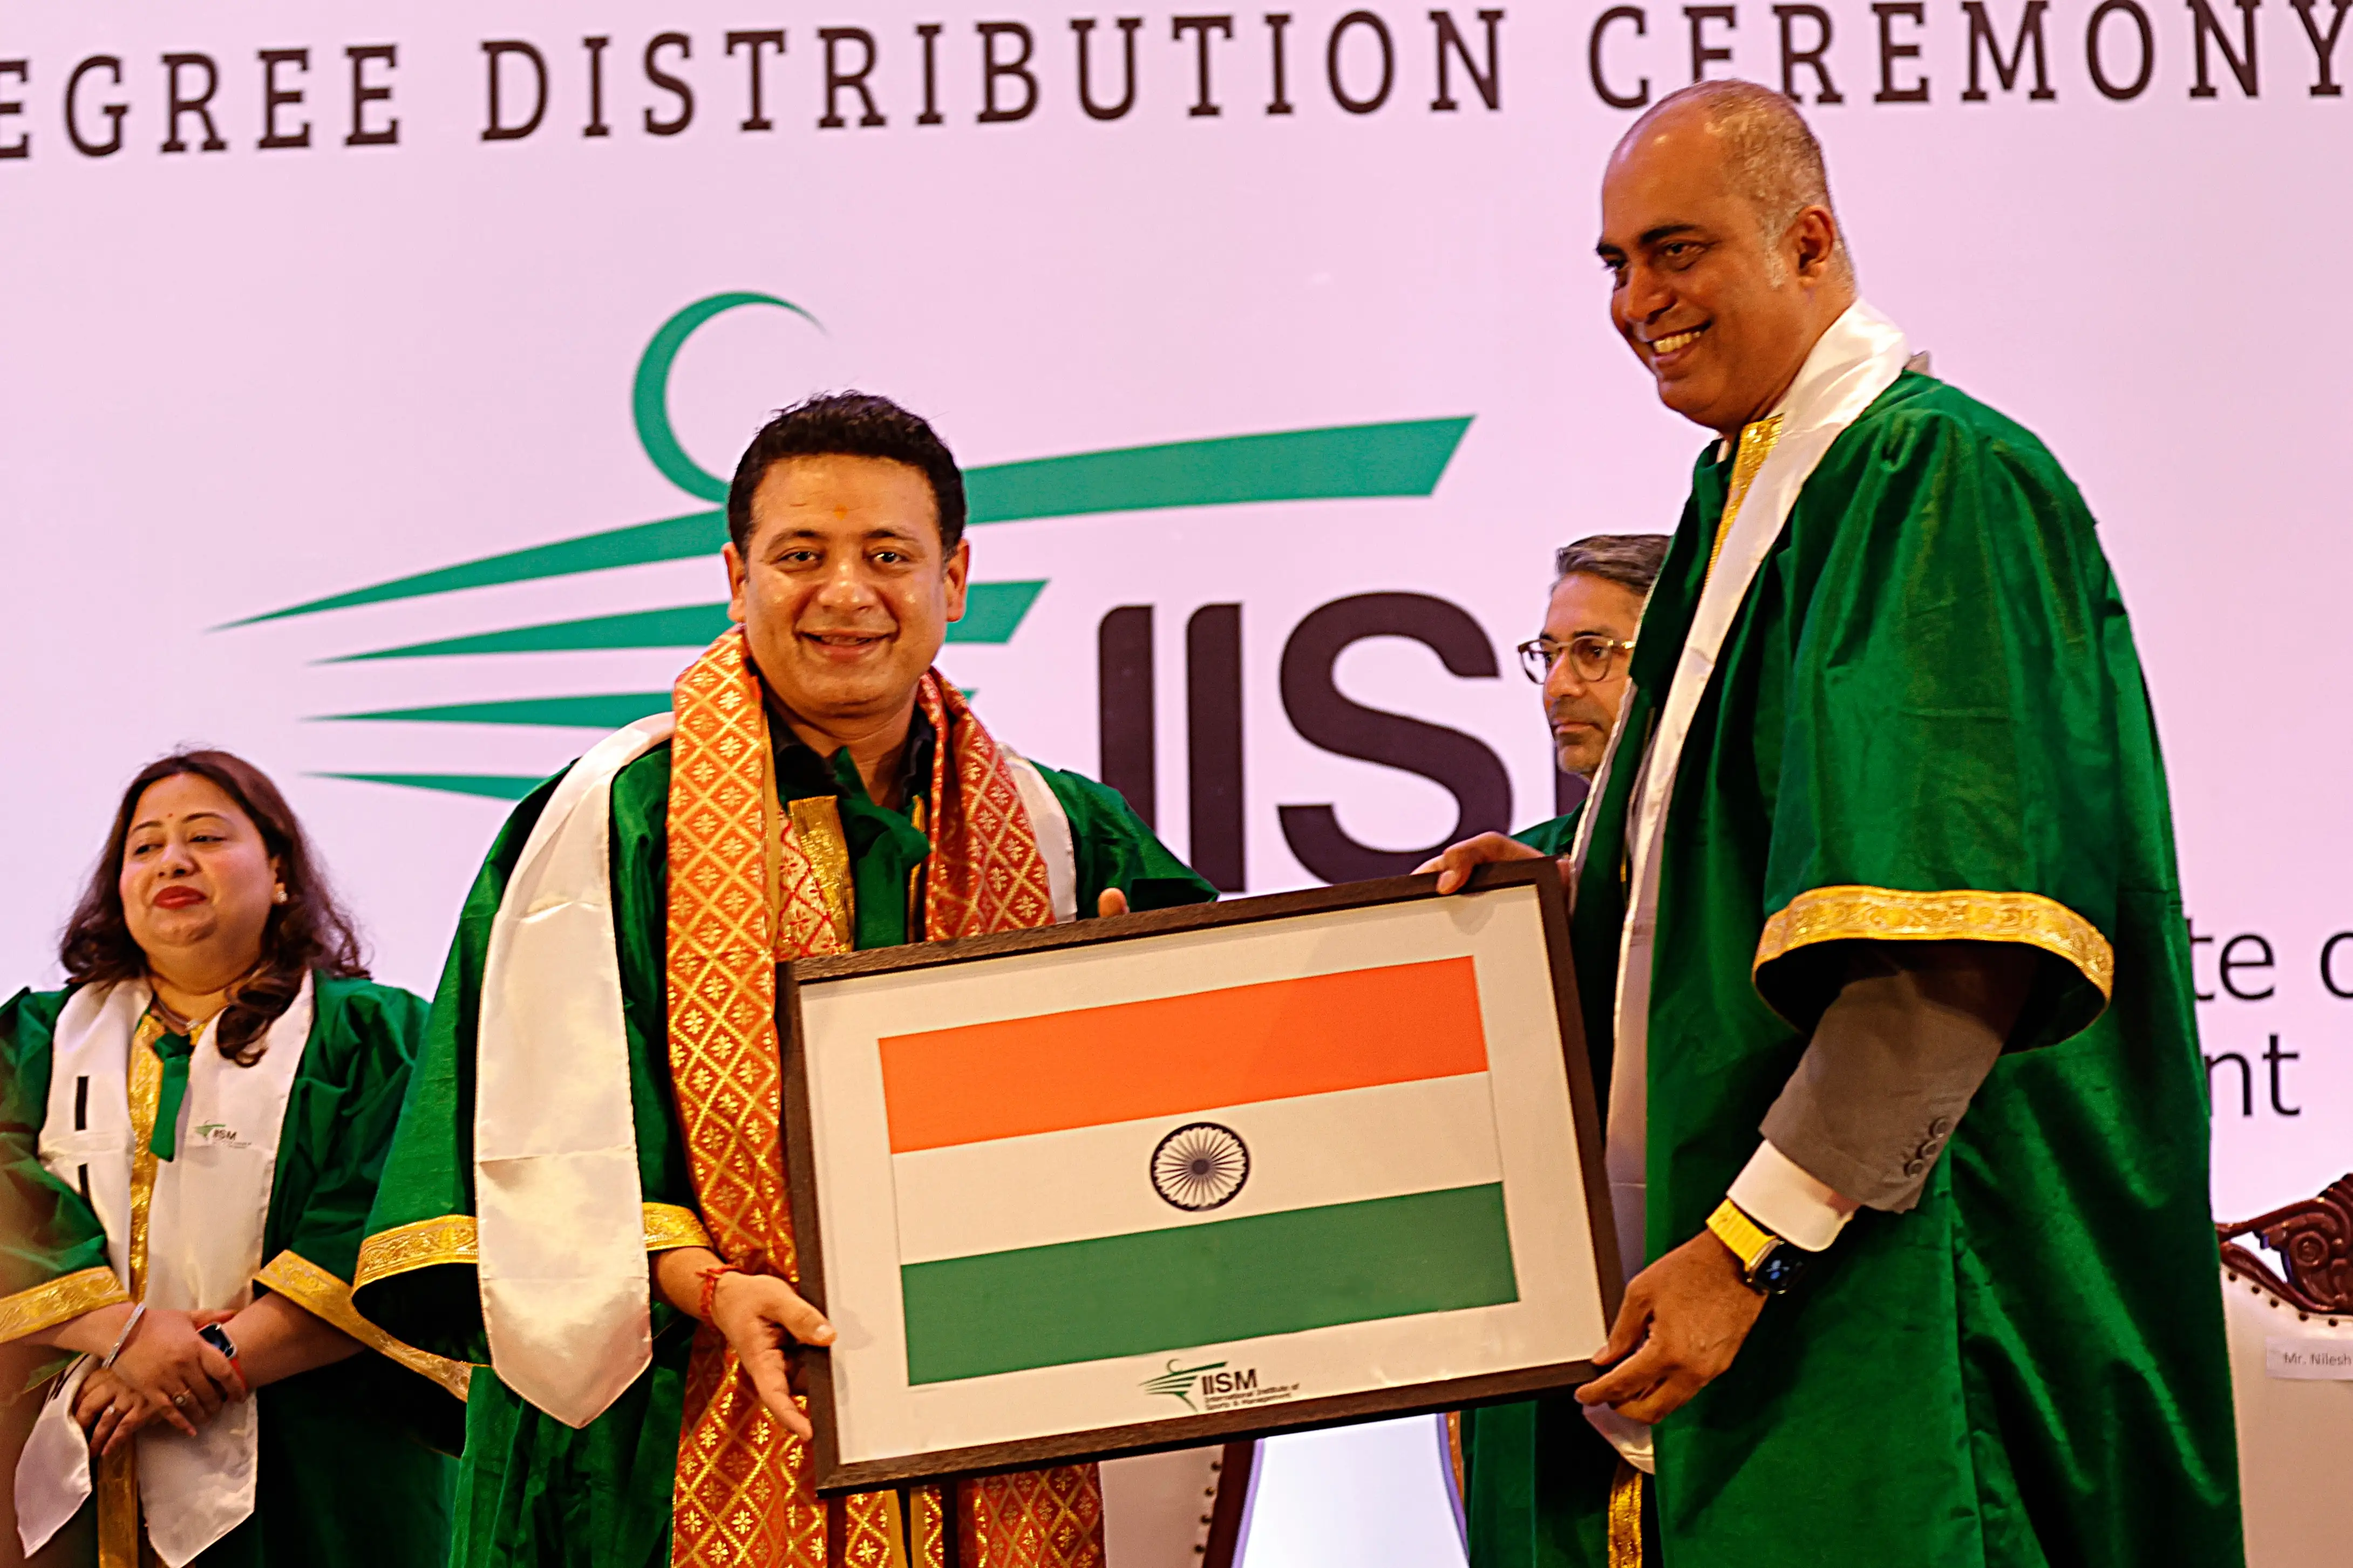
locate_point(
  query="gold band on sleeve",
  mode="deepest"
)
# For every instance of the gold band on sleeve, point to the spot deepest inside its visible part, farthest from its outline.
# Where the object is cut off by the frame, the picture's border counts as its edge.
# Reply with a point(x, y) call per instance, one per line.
point(455, 1238)
point(669, 1226)
point(446, 1238)
point(322, 1295)
point(61, 1300)
point(1893, 914)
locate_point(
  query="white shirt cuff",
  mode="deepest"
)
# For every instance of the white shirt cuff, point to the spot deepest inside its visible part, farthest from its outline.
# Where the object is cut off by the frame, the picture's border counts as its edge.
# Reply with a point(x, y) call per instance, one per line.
point(1772, 1190)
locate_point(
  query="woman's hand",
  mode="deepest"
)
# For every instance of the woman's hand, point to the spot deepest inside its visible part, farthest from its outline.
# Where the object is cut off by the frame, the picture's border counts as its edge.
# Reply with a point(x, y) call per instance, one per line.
point(762, 1316)
point(166, 1364)
point(111, 1412)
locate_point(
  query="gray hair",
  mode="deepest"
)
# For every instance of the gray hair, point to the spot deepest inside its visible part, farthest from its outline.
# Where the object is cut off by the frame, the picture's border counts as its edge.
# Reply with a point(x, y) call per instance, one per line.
point(1774, 159)
point(1629, 560)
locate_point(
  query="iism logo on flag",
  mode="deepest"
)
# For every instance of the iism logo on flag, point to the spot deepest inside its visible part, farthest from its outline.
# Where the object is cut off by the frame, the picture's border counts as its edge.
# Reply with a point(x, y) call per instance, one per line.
point(1397, 458)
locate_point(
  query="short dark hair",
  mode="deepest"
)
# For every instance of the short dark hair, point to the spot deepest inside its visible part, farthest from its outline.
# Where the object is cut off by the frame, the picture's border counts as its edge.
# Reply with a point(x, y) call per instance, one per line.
point(310, 931)
point(1629, 560)
point(849, 425)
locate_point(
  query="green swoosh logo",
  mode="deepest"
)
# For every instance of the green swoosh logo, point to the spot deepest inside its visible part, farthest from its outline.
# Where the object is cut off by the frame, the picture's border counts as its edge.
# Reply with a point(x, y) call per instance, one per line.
point(649, 394)
point(992, 613)
point(1394, 458)
point(1403, 457)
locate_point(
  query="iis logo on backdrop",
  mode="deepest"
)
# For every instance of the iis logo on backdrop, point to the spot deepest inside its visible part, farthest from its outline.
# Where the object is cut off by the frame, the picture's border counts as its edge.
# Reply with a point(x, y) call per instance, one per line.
point(1400, 459)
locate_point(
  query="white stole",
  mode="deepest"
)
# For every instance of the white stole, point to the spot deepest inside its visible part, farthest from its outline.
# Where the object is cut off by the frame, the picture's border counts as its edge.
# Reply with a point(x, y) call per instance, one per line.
point(203, 1246)
point(1051, 826)
point(557, 1200)
point(1851, 364)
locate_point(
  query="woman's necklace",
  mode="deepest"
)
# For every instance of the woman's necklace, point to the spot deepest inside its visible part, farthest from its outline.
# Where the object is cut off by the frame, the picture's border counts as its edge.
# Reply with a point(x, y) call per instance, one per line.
point(173, 1021)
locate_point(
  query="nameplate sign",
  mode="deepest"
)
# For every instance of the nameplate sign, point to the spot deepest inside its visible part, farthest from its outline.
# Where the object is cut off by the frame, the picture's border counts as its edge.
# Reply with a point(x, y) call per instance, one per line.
point(2308, 1360)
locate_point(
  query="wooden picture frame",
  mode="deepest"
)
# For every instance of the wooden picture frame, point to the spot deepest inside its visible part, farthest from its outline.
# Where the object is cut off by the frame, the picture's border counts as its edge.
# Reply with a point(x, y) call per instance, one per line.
point(1322, 917)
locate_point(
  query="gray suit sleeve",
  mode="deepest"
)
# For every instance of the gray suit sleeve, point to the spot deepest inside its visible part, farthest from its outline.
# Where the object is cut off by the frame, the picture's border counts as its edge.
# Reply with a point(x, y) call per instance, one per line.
point(1894, 1061)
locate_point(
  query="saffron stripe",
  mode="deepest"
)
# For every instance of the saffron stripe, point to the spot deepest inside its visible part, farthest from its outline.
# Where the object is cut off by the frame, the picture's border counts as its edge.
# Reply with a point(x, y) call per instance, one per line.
point(1205, 1285)
point(1172, 1055)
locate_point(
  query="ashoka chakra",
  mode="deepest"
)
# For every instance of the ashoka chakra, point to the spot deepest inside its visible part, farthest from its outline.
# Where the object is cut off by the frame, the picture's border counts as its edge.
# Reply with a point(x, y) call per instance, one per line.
point(1200, 1165)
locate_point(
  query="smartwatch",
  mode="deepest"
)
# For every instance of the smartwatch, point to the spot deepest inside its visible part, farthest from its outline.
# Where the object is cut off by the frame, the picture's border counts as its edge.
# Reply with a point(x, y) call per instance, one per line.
point(1769, 1264)
point(217, 1337)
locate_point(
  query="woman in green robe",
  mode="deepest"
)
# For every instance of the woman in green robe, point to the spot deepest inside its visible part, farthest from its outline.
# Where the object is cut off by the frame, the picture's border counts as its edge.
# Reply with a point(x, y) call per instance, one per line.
point(205, 925)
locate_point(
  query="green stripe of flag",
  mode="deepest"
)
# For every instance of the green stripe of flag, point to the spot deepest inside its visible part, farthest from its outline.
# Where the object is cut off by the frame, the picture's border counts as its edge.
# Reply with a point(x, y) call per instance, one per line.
point(1402, 458)
point(1198, 1284)
point(992, 612)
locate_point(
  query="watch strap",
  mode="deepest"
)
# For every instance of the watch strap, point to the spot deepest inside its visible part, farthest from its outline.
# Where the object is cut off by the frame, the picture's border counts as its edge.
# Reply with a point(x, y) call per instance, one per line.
point(1749, 1241)
point(217, 1337)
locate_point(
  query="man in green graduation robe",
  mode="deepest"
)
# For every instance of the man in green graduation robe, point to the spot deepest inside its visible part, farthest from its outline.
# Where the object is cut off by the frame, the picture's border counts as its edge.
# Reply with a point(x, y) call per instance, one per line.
point(846, 561)
point(1882, 839)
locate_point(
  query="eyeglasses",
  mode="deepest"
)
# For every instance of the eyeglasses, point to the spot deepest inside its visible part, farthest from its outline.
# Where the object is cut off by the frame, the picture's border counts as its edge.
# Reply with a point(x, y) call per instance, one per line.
point(1589, 656)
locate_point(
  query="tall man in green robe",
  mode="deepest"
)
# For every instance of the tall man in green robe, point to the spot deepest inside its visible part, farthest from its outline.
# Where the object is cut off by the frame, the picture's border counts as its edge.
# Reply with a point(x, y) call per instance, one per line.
point(1882, 839)
point(815, 766)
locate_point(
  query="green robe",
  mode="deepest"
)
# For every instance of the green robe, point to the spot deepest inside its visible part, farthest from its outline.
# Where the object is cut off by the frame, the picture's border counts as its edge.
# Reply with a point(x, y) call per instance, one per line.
point(346, 1476)
point(1931, 685)
point(533, 1489)
point(1554, 835)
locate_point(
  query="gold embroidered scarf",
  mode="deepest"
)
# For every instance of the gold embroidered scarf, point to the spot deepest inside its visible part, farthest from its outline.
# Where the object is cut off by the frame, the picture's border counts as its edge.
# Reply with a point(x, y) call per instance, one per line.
point(749, 886)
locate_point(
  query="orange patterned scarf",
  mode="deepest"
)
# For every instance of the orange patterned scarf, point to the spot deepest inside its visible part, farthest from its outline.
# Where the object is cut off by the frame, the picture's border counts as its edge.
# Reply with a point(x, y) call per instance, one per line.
point(745, 890)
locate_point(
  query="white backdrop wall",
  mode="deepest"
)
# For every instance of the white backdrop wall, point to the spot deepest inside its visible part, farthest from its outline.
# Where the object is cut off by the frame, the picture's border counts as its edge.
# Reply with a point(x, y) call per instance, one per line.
point(255, 355)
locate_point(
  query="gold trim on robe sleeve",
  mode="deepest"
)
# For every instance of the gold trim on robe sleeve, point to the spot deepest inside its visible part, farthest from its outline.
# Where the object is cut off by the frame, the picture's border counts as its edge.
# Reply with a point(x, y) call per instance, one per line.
point(320, 1293)
point(672, 1225)
point(1893, 914)
point(422, 1243)
point(454, 1238)
point(61, 1300)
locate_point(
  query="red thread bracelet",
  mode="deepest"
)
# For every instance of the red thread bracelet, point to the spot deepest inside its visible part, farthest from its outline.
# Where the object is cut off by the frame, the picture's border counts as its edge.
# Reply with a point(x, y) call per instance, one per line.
point(710, 1277)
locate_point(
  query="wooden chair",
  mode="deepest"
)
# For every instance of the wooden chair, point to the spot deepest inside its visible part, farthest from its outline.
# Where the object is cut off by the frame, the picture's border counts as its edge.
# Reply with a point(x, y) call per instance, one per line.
point(2295, 1434)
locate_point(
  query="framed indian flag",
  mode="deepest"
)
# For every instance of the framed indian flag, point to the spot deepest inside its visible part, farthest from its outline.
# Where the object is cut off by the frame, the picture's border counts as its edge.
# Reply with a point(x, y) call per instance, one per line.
point(1195, 1174)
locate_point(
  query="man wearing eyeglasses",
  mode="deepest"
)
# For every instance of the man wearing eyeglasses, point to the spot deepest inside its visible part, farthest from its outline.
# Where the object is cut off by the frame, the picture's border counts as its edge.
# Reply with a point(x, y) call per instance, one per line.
point(1599, 586)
